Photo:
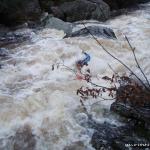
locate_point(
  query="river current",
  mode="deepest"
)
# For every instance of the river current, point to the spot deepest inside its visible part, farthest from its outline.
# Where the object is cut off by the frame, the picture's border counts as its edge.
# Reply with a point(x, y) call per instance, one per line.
point(33, 95)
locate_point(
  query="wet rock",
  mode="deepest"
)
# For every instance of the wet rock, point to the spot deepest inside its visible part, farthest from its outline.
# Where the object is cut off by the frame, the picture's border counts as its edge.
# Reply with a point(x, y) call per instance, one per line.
point(141, 114)
point(82, 10)
point(112, 137)
point(119, 4)
point(46, 5)
point(105, 134)
point(17, 11)
point(99, 31)
point(112, 4)
point(15, 37)
point(55, 23)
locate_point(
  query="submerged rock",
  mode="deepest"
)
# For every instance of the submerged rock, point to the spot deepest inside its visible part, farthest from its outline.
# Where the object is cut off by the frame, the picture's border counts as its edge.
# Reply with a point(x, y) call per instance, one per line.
point(99, 31)
point(22, 140)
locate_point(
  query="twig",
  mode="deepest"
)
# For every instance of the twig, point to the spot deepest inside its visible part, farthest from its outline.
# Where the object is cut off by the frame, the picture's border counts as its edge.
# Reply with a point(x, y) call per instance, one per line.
point(107, 99)
point(115, 57)
point(138, 65)
point(99, 85)
point(101, 101)
point(68, 68)
point(112, 69)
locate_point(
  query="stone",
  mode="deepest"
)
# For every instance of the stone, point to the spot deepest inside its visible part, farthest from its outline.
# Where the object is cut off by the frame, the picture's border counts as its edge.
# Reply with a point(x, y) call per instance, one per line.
point(55, 23)
point(99, 31)
point(82, 10)
point(140, 114)
point(16, 12)
point(16, 37)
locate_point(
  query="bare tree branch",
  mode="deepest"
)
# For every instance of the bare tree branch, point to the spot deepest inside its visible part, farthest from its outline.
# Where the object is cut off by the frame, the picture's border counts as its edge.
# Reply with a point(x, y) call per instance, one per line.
point(133, 51)
point(115, 57)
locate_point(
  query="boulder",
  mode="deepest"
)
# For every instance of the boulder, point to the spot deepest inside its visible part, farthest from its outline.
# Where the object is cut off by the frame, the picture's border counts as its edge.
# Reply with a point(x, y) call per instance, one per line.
point(112, 137)
point(137, 113)
point(82, 10)
point(55, 23)
point(19, 11)
point(119, 4)
point(47, 4)
point(99, 31)
point(112, 4)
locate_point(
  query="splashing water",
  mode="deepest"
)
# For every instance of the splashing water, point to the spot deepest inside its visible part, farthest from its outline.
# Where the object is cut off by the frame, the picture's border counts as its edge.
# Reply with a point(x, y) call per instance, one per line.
point(32, 94)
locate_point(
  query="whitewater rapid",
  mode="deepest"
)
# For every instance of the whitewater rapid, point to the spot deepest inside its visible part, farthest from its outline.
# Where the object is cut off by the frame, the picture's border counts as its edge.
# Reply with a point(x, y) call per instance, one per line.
point(34, 95)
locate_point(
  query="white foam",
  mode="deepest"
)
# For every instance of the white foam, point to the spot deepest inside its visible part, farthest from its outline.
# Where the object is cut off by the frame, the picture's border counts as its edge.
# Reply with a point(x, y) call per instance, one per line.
point(32, 93)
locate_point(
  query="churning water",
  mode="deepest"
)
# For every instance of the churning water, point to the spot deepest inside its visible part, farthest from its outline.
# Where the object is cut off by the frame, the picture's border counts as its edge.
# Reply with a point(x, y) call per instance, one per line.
point(33, 95)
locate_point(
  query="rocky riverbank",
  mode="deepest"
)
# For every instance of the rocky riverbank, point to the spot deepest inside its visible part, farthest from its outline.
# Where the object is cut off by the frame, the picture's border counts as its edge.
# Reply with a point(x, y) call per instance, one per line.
point(16, 12)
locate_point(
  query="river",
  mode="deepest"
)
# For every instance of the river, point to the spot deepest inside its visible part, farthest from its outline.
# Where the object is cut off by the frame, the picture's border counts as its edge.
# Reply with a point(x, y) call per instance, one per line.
point(33, 95)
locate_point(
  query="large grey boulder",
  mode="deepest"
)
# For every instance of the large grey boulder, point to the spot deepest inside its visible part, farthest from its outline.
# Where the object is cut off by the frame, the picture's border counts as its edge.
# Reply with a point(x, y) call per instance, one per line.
point(55, 23)
point(82, 10)
point(99, 31)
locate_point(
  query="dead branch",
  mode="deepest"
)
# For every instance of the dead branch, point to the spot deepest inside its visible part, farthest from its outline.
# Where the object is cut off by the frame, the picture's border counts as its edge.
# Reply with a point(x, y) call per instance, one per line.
point(112, 69)
point(99, 85)
point(115, 57)
point(135, 58)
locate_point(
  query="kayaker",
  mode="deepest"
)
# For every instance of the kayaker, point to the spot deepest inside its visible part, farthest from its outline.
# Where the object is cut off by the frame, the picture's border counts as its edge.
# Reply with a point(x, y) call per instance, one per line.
point(83, 62)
